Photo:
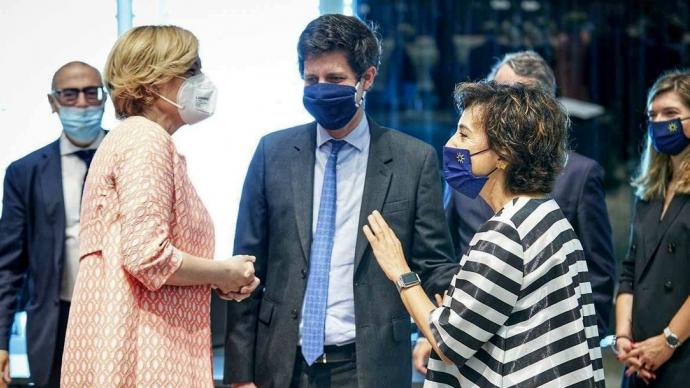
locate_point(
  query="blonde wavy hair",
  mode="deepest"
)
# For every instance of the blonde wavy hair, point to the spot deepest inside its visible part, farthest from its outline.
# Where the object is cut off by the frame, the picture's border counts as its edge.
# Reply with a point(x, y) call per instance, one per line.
point(656, 169)
point(142, 58)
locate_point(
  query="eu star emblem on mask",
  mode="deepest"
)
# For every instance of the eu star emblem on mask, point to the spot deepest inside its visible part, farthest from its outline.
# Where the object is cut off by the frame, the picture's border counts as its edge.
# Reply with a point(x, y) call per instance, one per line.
point(461, 158)
point(672, 127)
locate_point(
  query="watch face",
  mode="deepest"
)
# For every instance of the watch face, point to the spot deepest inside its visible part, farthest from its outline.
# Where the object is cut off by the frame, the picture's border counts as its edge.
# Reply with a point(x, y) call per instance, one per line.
point(671, 338)
point(409, 278)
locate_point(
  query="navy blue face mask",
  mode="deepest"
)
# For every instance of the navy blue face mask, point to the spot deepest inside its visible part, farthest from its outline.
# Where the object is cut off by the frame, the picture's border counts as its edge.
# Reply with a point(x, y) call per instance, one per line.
point(457, 170)
point(331, 105)
point(667, 136)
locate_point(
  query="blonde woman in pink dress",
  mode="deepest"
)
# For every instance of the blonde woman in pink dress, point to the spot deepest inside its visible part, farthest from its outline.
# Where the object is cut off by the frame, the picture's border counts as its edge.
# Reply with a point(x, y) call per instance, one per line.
point(140, 311)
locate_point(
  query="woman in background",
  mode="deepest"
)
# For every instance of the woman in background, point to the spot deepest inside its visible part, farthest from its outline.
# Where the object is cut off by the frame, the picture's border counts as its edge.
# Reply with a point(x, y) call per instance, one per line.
point(140, 311)
point(653, 302)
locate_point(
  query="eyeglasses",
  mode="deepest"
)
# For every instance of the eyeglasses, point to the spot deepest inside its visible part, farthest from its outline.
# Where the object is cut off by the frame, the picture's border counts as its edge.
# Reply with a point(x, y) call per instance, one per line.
point(94, 95)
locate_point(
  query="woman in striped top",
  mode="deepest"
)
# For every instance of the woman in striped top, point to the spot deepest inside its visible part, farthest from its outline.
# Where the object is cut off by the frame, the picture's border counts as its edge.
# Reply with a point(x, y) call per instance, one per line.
point(519, 311)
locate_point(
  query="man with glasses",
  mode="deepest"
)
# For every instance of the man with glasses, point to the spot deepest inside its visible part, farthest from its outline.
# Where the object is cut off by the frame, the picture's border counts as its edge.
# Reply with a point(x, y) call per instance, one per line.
point(39, 228)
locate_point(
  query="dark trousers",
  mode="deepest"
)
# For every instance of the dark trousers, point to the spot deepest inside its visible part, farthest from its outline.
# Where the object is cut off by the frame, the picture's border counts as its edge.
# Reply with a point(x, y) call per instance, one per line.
point(339, 374)
point(54, 379)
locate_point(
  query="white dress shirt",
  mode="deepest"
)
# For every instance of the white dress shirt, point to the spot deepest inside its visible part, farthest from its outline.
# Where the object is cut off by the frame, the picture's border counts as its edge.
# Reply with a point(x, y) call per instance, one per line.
point(73, 174)
point(351, 173)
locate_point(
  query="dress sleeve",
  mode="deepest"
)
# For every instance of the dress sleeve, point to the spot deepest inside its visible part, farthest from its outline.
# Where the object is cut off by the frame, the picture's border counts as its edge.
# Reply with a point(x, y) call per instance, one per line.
point(482, 293)
point(145, 187)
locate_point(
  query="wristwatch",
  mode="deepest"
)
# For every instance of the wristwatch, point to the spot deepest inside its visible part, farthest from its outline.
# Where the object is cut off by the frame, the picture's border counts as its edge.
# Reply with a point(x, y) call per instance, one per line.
point(407, 280)
point(671, 339)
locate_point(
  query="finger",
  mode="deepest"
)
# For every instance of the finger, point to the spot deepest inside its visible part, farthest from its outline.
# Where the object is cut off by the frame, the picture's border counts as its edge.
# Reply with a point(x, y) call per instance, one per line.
point(375, 227)
point(635, 353)
point(439, 300)
point(250, 258)
point(6, 375)
point(380, 224)
point(419, 365)
point(629, 372)
point(250, 288)
point(632, 361)
point(645, 374)
point(385, 229)
point(370, 235)
point(230, 295)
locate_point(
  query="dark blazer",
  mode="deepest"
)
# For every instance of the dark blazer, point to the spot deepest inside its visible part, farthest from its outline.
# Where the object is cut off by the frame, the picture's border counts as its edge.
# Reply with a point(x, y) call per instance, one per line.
point(274, 224)
point(579, 191)
point(32, 236)
point(656, 270)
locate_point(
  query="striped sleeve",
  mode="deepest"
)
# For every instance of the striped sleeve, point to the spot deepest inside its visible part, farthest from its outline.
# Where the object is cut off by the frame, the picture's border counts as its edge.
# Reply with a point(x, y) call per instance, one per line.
point(482, 294)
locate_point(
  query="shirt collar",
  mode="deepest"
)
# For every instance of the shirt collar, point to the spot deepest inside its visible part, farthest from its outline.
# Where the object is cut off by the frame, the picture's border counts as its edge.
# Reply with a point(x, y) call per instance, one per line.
point(358, 138)
point(68, 148)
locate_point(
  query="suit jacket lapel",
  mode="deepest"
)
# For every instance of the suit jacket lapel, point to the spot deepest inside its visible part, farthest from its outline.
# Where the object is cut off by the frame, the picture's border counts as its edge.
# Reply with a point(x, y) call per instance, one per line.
point(51, 187)
point(302, 181)
point(653, 240)
point(376, 183)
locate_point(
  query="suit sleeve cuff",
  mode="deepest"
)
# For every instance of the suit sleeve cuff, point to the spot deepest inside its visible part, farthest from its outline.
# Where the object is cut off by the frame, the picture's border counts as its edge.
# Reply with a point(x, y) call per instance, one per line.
point(625, 287)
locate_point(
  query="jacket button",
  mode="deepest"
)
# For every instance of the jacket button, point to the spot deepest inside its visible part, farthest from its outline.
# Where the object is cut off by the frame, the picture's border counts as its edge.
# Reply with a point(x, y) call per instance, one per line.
point(303, 273)
point(293, 313)
point(671, 248)
point(668, 286)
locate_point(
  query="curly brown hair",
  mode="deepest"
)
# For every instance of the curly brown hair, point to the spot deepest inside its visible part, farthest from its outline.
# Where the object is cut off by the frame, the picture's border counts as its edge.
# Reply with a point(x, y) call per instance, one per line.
point(525, 126)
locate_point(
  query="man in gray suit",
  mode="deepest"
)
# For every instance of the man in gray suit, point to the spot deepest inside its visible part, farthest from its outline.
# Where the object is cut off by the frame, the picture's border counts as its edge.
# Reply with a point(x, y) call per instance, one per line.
point(327, 316)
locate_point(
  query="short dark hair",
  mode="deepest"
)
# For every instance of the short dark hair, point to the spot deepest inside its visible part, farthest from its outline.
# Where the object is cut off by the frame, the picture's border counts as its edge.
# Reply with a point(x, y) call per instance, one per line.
point(530, 65)
point(329, 33)
point(525, 126)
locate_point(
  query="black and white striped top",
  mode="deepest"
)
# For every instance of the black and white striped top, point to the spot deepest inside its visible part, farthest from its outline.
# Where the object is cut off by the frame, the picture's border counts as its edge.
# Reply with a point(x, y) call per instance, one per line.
point(519, 312)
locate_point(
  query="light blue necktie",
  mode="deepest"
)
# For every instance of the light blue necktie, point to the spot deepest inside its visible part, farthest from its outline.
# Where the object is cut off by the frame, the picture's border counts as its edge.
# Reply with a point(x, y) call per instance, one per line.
point(316, 297)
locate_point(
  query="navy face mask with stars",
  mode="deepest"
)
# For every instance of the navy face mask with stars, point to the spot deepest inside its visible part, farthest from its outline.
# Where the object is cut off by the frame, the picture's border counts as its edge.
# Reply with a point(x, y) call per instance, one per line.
point(457, 170)
point(667, 136)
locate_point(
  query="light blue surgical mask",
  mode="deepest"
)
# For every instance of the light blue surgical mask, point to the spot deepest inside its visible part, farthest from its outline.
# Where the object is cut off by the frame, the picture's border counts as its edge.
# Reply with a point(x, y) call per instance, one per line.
point(81, 125)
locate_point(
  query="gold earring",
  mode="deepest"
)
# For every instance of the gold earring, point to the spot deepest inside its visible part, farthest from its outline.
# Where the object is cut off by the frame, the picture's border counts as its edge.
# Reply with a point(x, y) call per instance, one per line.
point(501, 164)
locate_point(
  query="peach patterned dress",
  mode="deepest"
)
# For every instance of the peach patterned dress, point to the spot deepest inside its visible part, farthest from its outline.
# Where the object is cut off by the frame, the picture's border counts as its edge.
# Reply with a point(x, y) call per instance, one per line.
point(126, 327)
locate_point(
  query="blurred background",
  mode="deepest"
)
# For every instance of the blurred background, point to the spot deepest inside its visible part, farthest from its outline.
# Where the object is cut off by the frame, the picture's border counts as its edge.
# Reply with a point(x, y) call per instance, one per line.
point(605, 55)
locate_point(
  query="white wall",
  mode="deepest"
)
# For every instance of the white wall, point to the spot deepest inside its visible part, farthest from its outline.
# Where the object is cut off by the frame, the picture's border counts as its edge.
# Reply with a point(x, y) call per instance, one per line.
point(248, 48)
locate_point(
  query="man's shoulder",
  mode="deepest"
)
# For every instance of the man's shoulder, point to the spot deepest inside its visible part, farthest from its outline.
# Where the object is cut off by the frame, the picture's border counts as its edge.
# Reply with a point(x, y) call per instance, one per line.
point(289, 135)
point(579, 164)
point(403, 143)
point(34, 157)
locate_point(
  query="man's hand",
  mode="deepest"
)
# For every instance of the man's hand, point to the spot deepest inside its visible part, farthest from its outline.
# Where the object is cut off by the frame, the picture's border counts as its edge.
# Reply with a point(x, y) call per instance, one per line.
point(421, 354)
point(4, 368)
point(243, 385)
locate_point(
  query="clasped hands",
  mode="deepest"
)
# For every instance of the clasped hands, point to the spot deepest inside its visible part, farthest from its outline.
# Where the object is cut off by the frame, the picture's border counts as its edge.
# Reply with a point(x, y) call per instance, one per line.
point(236, 278)
point(644, 357)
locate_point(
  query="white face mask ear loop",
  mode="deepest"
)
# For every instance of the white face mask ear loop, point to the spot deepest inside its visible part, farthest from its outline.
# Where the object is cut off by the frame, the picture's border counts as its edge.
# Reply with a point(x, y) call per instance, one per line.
point(178, 106)
point(361, 99)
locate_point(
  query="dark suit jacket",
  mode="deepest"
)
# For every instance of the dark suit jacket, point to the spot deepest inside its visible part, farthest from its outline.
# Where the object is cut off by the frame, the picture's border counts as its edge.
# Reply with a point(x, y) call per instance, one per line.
point(32, 236)
point(274, 224)
point(656, 270)
point(579, 191)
